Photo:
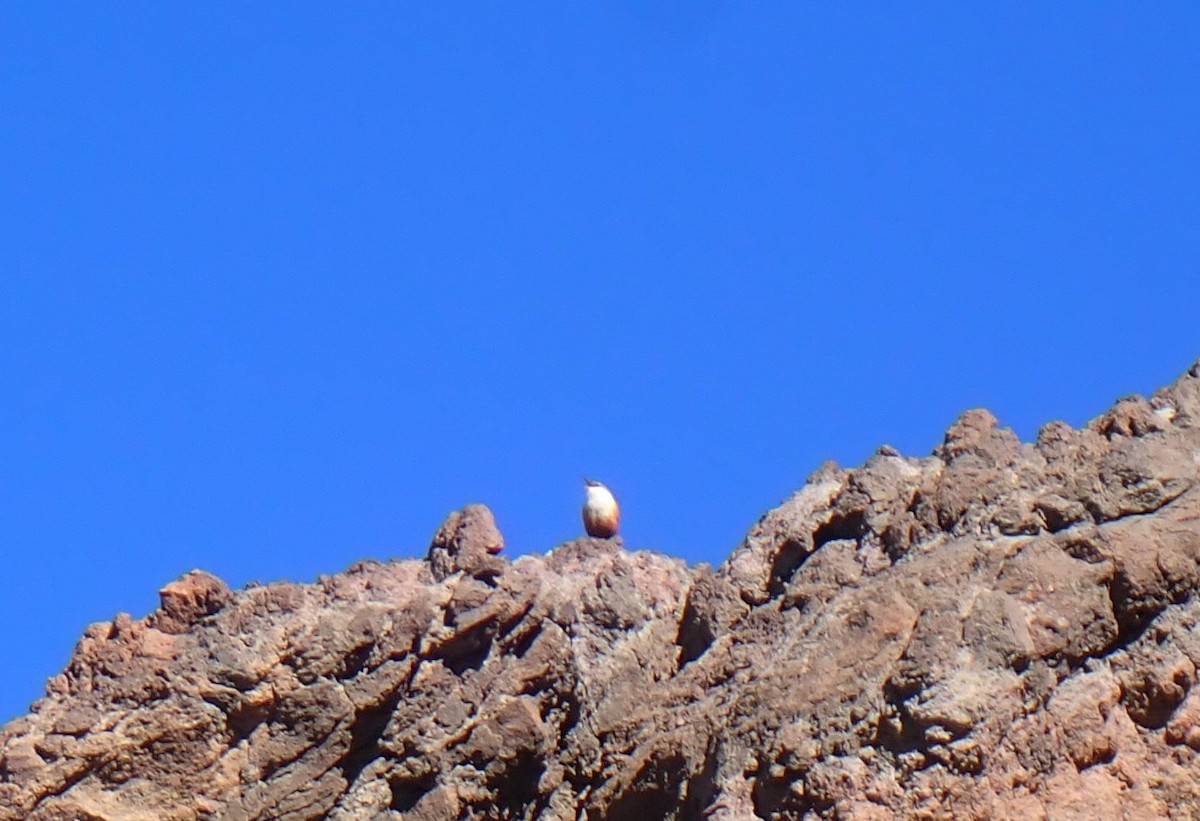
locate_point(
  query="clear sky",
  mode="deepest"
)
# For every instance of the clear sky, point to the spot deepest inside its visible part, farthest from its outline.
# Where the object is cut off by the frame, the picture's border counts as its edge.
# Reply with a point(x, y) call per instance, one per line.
point(282, 284)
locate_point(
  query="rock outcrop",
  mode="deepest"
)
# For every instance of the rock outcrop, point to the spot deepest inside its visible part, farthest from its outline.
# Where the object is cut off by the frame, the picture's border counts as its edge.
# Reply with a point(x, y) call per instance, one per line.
point(1001, 630)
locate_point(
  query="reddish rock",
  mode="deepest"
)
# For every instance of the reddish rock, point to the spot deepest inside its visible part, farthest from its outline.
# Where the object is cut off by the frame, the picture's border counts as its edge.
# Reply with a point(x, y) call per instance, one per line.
point(467, 541)
point(188, 599)
point(1001, 630)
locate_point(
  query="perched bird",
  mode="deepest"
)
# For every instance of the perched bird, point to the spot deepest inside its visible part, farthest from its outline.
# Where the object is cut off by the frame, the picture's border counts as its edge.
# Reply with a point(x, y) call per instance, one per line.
point(601, 513)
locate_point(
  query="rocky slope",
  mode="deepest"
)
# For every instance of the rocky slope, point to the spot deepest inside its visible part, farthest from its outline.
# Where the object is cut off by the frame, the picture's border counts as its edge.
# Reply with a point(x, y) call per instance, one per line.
point(1002, 630)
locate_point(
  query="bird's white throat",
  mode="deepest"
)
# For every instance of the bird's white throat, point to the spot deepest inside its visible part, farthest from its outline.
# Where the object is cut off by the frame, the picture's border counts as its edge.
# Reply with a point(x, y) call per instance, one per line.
point(600, 500)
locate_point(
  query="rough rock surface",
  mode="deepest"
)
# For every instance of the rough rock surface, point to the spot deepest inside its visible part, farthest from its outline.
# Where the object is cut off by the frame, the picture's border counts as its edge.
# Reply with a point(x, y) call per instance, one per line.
point(1002, 630)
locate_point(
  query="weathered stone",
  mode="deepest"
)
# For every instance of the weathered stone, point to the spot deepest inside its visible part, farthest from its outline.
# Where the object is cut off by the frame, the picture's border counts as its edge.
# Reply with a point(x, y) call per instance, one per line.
point(997, 631)
point(467, 541)
point(188, 599)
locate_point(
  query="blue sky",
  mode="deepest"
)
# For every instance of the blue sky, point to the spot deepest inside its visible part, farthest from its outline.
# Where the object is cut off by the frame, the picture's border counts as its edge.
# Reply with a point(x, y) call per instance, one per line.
point(284, 284)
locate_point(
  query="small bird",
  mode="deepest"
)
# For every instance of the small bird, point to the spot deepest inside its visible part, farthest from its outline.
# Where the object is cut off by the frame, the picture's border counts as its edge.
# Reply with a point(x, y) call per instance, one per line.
point(601, 513)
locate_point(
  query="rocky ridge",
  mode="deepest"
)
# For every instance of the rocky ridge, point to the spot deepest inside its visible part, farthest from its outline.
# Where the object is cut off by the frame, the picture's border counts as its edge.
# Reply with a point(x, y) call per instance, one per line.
point(1001, 630)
